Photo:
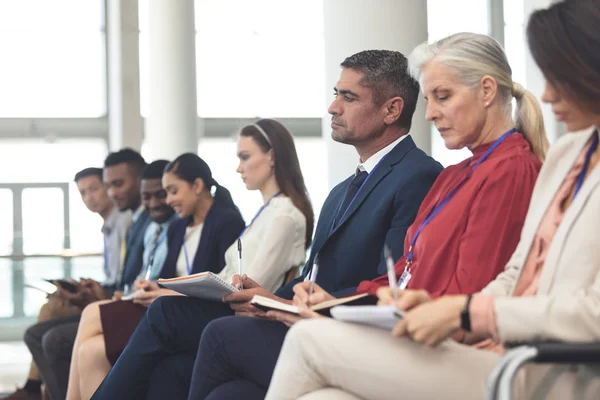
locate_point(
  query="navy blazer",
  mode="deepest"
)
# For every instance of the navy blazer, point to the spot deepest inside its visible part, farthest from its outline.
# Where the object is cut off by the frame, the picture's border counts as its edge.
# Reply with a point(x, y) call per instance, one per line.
point(380, 214)
point(222, 227)
point(134, 256)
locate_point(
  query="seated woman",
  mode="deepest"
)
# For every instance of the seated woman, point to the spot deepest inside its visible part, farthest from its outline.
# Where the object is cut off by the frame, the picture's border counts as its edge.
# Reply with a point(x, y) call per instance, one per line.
point(208, 226)
point(276, 239)
point(548, 291)
point(468, 224)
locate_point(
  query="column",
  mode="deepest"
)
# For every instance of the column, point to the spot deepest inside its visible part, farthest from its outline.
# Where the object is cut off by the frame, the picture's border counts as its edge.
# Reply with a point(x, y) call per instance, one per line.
point(534, 79)
point(125, 127)
point(351, 26)
point(171, 126)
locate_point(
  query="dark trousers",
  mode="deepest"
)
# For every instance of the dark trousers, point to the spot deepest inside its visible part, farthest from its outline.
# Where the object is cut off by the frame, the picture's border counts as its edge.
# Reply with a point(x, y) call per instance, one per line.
point(51, 345)
point(237, 355)
point(171, 327)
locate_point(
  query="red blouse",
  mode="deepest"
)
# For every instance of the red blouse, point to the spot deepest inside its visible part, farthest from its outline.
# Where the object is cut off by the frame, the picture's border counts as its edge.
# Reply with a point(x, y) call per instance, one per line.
point(471, 239)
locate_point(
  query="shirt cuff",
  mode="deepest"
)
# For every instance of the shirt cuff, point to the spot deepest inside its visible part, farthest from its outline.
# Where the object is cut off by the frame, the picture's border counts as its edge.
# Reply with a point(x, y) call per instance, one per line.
point(483, 316)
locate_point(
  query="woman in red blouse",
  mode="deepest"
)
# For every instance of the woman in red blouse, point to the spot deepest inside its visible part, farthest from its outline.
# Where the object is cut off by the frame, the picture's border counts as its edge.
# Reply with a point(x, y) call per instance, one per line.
point(481, 202)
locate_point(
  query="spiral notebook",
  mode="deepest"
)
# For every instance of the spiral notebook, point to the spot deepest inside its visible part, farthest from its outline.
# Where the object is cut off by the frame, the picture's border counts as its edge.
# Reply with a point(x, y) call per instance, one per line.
point(204, 285)
point(382, 317)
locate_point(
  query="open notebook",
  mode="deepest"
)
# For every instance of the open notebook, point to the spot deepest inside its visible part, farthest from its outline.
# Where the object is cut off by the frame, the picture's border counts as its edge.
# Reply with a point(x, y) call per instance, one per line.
point(266, 304)
point(204, 285)
point(383, 317)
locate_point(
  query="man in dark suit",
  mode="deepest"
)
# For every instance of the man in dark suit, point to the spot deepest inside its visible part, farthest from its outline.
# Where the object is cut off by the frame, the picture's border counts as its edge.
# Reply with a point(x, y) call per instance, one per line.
point(375, 101)
point(122, 178)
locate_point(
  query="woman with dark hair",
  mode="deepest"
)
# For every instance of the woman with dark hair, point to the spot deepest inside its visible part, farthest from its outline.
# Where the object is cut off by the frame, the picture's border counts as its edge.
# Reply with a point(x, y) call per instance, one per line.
point(273, 243)
point(276, 239)
point(209, 223)
point(549, 290)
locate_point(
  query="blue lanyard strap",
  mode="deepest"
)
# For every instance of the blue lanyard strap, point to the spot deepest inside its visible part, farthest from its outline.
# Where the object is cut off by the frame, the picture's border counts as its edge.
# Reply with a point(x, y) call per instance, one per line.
point(258, 213)
point(441, 205)
point(188, 267)
point(586, 165)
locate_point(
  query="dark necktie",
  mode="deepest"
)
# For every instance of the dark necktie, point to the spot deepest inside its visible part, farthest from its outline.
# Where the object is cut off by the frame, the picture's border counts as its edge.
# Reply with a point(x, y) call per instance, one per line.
point(355, 184)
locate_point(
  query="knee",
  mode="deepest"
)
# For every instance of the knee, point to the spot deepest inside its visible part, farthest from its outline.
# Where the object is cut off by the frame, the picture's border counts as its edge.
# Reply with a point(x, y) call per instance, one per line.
point(90, 313)
point(54, 346)
point(214, 333)
point(161, 308)
point(91, 352)
point(32, 337)
point(299, 333)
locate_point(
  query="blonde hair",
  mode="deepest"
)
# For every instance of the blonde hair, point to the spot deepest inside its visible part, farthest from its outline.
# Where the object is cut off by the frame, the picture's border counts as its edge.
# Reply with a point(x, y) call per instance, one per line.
point(474, 56)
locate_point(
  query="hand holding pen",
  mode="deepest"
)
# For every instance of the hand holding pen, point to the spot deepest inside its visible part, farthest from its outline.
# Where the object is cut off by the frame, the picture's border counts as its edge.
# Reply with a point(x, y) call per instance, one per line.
point(239, 247)
point(392, 279)
point(313, 278)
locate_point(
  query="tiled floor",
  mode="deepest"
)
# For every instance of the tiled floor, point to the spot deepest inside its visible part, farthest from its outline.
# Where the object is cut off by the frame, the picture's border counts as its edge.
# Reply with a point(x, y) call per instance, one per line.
point(14, 365)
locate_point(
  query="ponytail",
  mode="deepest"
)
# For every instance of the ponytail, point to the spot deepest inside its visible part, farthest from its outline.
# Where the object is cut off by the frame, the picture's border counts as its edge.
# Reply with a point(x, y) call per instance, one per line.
point(529, 121)
point(222, 196)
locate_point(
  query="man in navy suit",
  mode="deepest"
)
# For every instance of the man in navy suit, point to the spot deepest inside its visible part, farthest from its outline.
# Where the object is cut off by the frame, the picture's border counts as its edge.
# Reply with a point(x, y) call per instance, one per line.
point(375, 101)
point(122, 178)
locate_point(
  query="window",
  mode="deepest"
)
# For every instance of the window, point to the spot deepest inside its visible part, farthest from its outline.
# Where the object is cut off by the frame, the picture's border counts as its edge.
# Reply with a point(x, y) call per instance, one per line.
point(514, 38)
point(264, 59)
point(53, 58)
point(444, 19)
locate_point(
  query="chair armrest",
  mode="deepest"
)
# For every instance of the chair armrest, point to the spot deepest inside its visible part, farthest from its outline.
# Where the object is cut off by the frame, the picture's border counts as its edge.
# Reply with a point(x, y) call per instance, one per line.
point(568, 353)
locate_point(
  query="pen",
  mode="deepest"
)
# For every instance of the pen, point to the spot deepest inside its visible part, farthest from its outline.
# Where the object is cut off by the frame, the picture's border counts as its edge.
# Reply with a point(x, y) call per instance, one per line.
point(239, 246)
point(393, 282)
point(313, 278)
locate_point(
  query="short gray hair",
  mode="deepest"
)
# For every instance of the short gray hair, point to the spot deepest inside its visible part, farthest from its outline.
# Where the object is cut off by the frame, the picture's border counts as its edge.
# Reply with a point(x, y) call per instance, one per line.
point(386, 74)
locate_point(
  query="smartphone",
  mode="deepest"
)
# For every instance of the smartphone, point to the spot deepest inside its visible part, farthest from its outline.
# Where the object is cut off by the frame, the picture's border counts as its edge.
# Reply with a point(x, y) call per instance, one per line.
point(64, 284)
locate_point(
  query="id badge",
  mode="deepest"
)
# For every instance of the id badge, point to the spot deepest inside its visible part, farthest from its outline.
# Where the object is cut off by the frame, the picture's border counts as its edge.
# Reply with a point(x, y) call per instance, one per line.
point(404, 279)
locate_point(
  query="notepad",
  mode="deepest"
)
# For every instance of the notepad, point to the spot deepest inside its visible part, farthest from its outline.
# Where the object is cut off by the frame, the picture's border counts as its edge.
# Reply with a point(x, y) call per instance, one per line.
point(382, 317)
point(204, 285)
point(267, 304)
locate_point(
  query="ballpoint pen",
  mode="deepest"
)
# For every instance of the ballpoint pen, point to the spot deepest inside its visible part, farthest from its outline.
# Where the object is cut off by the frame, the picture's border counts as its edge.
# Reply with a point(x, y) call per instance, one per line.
point(239, 246)
point(313, 278)
point(393, 282)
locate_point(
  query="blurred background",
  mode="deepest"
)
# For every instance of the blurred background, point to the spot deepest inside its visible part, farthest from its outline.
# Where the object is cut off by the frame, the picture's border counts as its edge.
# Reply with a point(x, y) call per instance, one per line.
point(79, 78)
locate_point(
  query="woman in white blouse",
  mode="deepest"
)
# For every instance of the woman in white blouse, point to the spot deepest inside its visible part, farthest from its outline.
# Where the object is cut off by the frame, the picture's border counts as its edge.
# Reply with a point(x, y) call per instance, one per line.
point(273, 242)
point(276, 239)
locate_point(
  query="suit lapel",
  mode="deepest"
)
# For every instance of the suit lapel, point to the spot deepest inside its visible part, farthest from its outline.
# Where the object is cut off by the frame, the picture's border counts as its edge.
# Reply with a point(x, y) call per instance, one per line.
point(327, 216)
point(381, 170)
point(569, 218)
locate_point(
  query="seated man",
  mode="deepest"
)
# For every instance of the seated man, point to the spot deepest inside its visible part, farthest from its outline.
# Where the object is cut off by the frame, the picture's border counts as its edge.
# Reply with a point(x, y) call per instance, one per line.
point(95, 197)
point(371, 208)
point(122, 178)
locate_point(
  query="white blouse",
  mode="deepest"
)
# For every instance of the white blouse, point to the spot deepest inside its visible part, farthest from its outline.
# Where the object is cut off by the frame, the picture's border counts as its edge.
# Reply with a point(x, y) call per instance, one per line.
point(191, 241)
point(271, 246)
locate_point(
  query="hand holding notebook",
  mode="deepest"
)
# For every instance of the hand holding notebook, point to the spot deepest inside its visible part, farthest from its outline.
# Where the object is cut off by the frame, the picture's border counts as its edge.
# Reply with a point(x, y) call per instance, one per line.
point(382, 317)
point(204, 285)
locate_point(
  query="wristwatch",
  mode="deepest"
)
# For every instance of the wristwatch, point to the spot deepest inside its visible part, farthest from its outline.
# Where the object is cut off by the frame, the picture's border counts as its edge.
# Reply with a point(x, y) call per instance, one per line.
point(465, 317)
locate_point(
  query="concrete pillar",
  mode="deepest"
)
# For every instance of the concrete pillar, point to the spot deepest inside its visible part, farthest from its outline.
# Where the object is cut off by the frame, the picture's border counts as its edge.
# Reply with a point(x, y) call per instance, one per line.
point(172, 123)
point(355, 25)
point(125, 126)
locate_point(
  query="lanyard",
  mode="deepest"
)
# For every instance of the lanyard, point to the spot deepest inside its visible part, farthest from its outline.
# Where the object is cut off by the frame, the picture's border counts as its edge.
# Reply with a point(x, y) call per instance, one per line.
point(187, 260)
point(337, 211)
point(258, 213)
point(441, 205)
point(586, 165)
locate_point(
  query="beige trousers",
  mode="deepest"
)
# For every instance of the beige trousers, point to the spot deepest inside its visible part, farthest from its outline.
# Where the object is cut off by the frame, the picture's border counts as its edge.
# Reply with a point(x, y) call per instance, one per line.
point(327, 359)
